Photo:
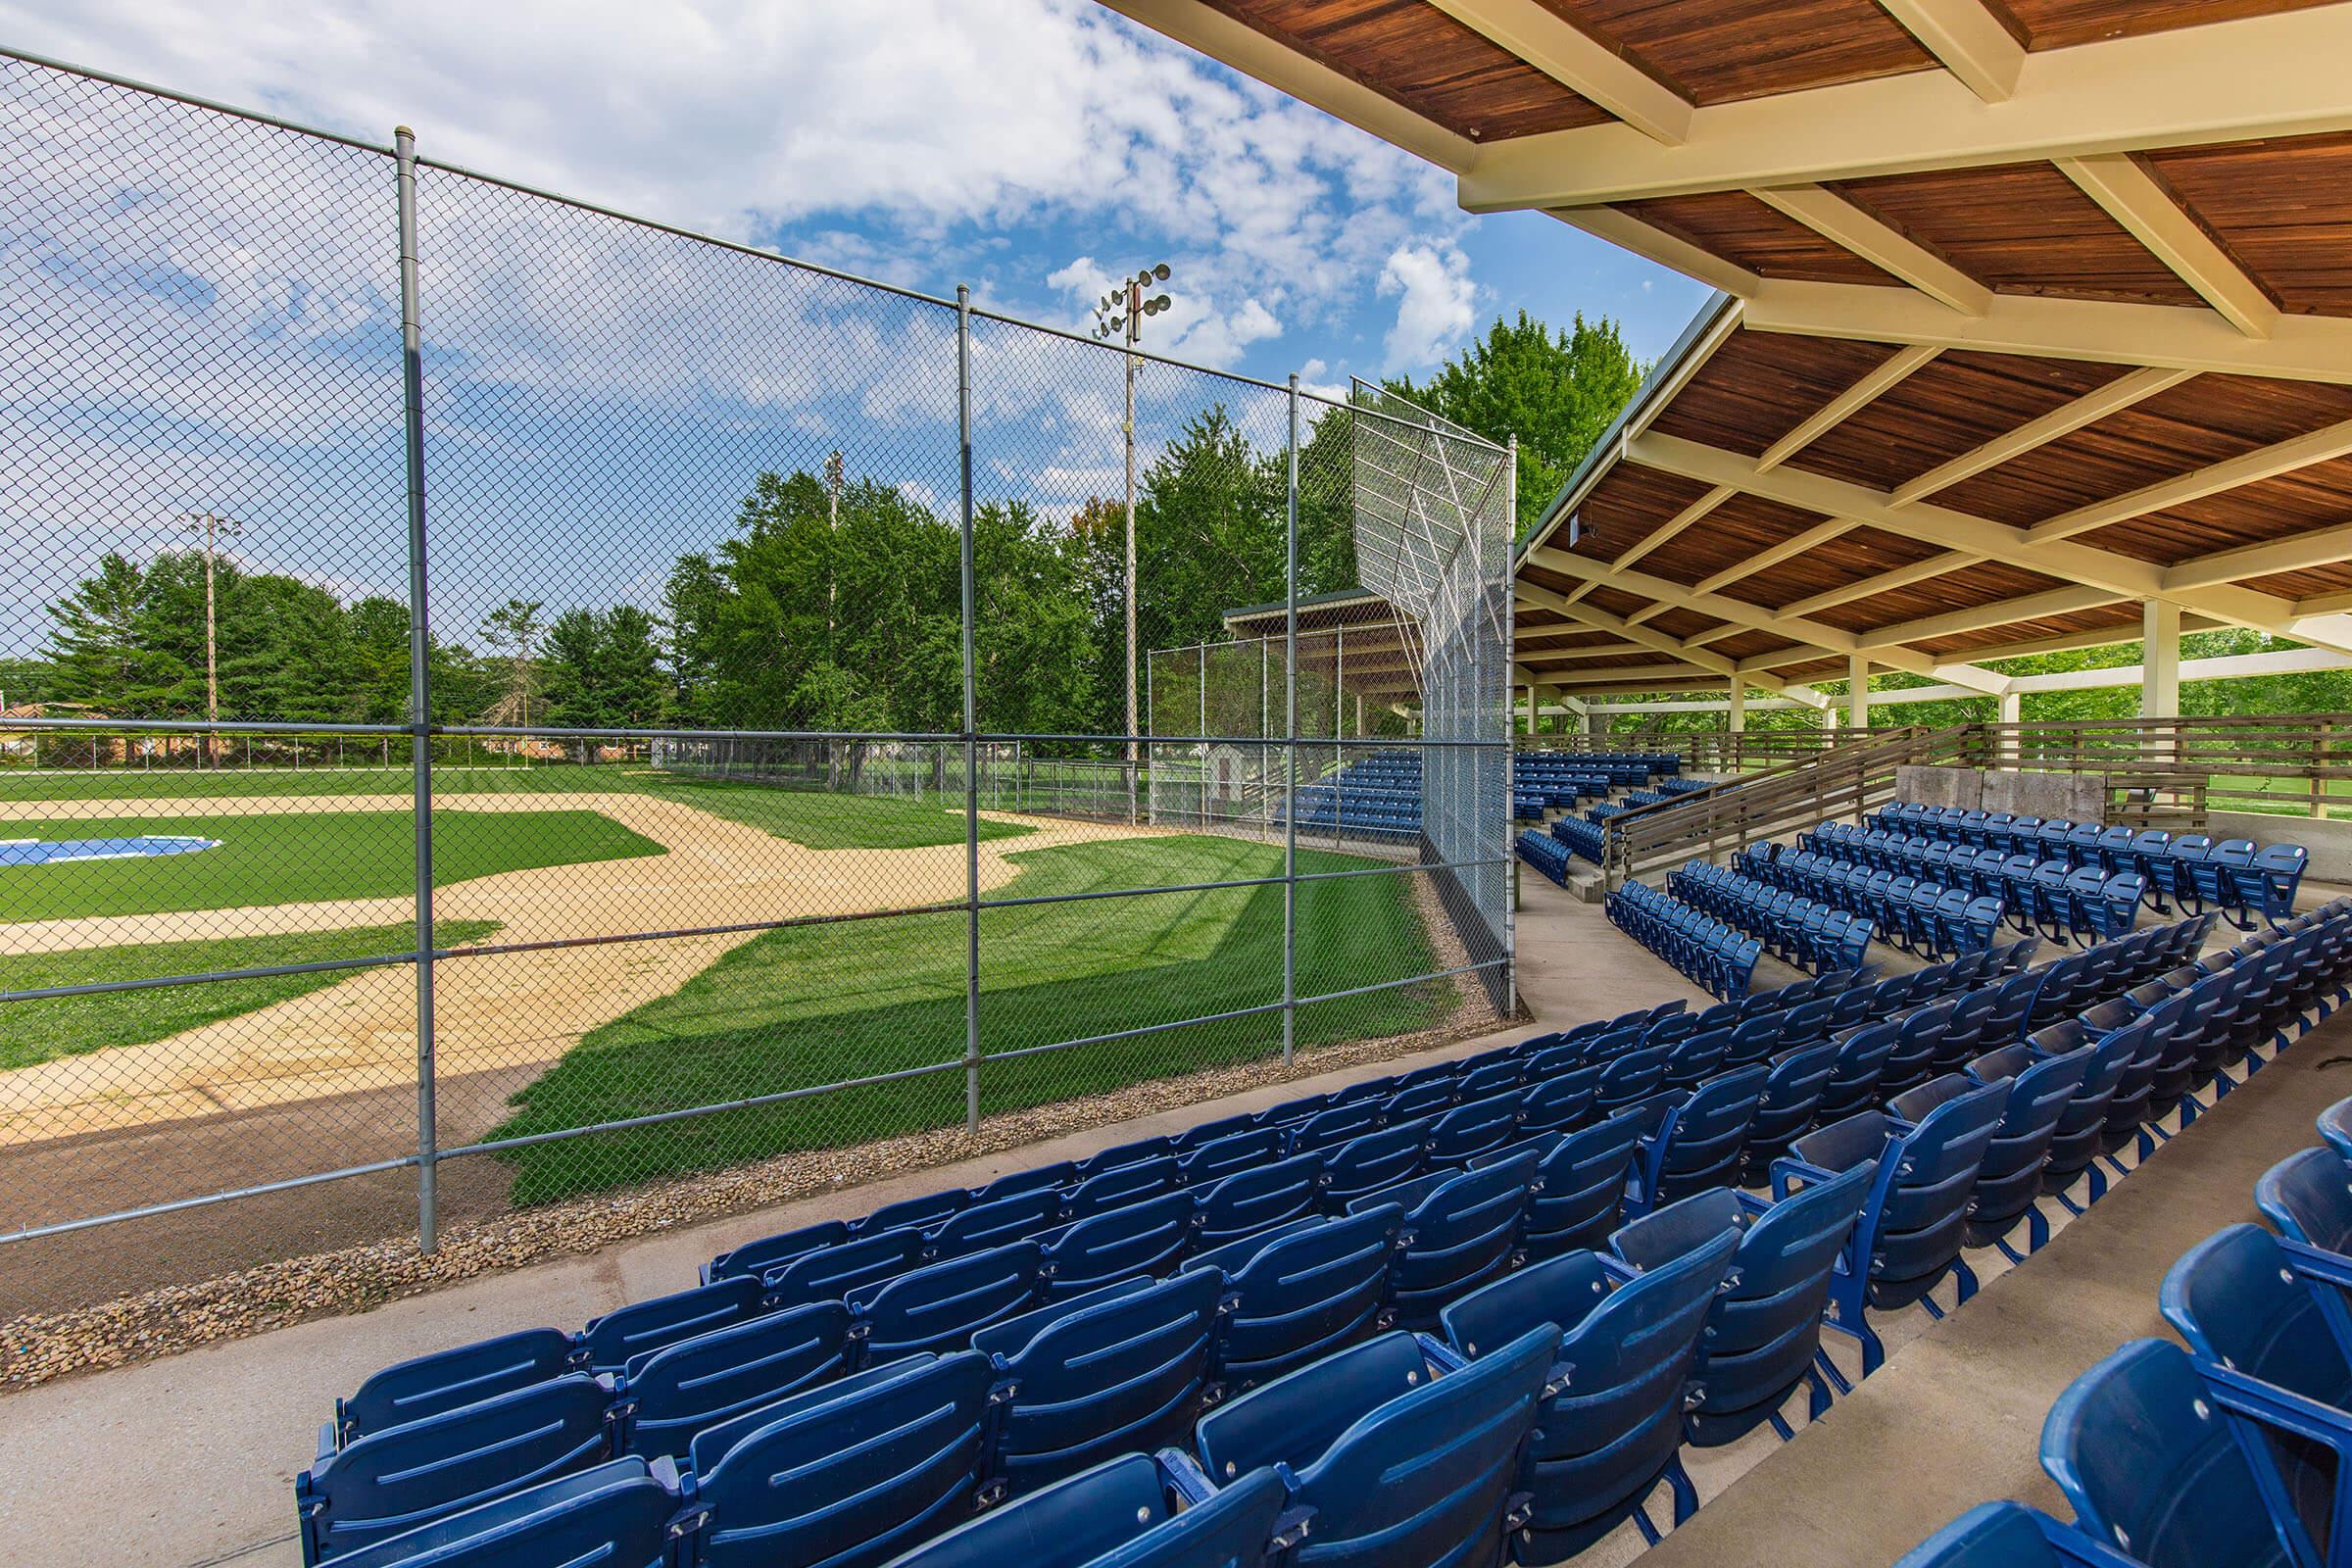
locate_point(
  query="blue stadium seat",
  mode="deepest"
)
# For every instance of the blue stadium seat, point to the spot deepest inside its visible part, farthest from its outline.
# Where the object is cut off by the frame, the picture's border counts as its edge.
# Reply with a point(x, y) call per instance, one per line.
point(1611, 1428)
point(667, 1396)
point(940, 1307)
point(617, 1514)
point(2308, 1195)
point(1146, 1238)
point(2010, 1534)
point(849, 1472)
point(428, 1385)
point(1578, 1185)
point(1301, 1292)
point(1914, 1223)
point(1250, 1201)
point(401, 1477)
point(1119, 1514)
point(1088, 1379)
point(1763, 1336)
point(1460, 1230)
point(2153, 1465)
point(1351, 1433)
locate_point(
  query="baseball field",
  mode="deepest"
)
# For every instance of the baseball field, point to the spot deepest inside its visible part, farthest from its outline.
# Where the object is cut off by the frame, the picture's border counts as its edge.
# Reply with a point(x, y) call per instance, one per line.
point(308, 885)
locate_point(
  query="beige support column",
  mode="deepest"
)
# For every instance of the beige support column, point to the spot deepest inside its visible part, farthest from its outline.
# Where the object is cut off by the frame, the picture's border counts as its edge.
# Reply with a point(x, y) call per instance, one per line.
point(1738, 707)
point(1531, 708)
point(1857, 692)
point(2010, 706)
point(2160, 659)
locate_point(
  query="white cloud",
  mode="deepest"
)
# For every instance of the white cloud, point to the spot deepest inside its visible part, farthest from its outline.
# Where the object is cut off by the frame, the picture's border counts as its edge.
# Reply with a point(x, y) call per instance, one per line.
point(1435, 302)
point(1311, 380)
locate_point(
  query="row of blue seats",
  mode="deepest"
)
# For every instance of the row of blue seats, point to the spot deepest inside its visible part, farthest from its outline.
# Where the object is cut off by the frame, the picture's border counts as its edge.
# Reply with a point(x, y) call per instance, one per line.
point(2054, 896)
point(1804, 932)
point(1702, 1321)
point(2233, 1447)
point(1545, 852)
point(688, 1398)
point(1711, 953)
point(2236, 876)
point(1922, 917)
point(2084, 904)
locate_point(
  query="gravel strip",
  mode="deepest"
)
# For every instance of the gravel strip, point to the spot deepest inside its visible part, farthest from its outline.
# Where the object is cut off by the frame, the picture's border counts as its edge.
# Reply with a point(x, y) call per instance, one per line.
point(37, 1348)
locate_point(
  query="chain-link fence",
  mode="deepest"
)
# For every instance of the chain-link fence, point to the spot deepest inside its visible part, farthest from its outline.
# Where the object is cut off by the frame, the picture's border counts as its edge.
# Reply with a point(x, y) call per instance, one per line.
point(506, 701)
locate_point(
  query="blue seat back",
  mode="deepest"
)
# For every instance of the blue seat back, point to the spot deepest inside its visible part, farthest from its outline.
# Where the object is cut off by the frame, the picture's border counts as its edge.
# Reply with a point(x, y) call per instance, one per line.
point(770, 1252)
point(1354, 1430)
point(1472, 1128)
point(1559, 1103)
point(617, 1514)
point(1093, 1379)
point(848, 1474)
point(925, 1213)
point(674, 1394)
point(1703, 1140)
point(1062, 1173)
point(2153, 1468)
point(1252, 1200)
point(2308, 1195)
point(1146, 1238)
point(995, 1223)
point(1209, 1162)
point(427, 1385)
point(407, 1476)
point(1301, 1291)
point(1854, 1073)
point(1328, 1129)
point(1578, 1188)
point(1122, 1185)
point(1456, 1233)
point(939, 1307)
point(1374, 1160)
point(1791, 1096)
point(2008, 1535)
point(610, 1342)
point(2010, 1177)
point(1115, 1515)
point(831, 1273)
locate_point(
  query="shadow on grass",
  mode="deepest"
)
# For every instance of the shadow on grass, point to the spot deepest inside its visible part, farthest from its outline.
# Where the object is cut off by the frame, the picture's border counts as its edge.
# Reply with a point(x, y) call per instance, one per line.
point(802, 1008)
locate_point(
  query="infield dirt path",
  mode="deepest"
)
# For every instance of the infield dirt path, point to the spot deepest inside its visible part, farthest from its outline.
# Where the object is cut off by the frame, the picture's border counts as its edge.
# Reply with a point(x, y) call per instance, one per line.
point(495, 1013)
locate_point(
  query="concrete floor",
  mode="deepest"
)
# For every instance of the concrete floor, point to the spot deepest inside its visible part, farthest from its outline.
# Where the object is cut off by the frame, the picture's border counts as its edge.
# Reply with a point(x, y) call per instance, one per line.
point(189, 1461)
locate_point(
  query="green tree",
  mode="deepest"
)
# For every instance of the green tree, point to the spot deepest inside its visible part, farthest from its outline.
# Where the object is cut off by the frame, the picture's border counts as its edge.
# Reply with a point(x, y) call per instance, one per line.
point(1555, 391)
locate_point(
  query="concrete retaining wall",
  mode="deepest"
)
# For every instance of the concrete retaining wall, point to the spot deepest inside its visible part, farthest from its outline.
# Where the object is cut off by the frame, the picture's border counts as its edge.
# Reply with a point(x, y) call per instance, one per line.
point(2329, 842)
point(2066, 795)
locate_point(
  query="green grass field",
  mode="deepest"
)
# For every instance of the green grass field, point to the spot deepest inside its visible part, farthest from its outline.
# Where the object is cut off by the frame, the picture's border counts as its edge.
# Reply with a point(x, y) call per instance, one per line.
point(816, 818)
point(51, 1027)
point(817, 1005)
point(297, 858)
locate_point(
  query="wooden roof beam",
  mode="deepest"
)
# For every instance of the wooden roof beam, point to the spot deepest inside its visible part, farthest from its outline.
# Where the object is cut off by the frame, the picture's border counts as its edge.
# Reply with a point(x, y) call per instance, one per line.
point(2136, 199)
point(1673, 526)
point(2306, 347)
point(2065, 420)
point(1578, 62)
point(1842, 223)
point(2263, 462)
point(1829, 639)
point(1834, 413)
point(1713, 664)
point(1653, 243)
point(1885, 581)
point(2317, 547)
point(1978, 617)
point(1968, 39)
point(1764, 560)
point(2280, 74)
point(2122, 575)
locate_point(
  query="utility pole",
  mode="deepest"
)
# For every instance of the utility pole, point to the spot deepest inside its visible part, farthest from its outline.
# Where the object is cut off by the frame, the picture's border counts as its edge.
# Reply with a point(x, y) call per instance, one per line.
point(212, 527)
point(1123, 313)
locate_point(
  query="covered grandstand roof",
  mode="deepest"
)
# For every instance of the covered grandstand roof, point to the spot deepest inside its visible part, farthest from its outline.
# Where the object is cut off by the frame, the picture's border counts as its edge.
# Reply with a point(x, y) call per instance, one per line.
point(2033, 311)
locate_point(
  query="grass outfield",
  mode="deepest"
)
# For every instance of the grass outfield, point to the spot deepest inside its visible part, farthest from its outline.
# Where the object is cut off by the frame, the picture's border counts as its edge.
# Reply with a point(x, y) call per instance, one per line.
point(817, 1005)
point(296, 858)
point(43, 1030)
point(820, 819)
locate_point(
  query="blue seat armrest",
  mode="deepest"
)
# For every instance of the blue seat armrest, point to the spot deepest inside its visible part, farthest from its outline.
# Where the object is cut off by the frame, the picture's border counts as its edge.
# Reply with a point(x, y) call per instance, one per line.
point(1617, 1268)
point(1185, 1477)
point(1755, 1203)
point(1438, 1353)
point(1788, 1173)
point(329, 1434)
point(2318, 1264)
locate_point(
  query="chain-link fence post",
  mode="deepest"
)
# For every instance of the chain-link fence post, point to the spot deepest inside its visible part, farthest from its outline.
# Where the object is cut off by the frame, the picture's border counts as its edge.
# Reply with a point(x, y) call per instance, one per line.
point(1290, 746)
point(420, 711)
point(1510, 904)
point(971, 721)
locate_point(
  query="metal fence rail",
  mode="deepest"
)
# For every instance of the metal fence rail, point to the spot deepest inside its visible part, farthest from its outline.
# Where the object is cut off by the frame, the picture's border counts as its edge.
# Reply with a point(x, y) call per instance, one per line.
point(536, 699)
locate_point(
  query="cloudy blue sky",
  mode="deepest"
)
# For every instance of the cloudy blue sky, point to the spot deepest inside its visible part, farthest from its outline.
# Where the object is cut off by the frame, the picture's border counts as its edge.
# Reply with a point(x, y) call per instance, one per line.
point(197, 315)
point(1032, 148)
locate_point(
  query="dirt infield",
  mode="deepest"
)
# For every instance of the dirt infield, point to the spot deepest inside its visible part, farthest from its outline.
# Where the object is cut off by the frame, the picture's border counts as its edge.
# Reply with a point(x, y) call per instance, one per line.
point(495, 1014)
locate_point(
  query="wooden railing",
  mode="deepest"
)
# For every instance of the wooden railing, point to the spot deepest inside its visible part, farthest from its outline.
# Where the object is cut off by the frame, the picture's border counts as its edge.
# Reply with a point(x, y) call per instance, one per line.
point(2151, 772)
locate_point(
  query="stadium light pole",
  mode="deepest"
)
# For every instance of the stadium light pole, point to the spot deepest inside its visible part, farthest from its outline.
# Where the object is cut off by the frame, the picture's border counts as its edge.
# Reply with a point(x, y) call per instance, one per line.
point(1121, 313)
point(211, 526)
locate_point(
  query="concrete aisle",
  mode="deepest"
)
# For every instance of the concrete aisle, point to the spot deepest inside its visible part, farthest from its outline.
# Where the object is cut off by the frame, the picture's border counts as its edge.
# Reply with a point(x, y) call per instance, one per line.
point(1954, 1418)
